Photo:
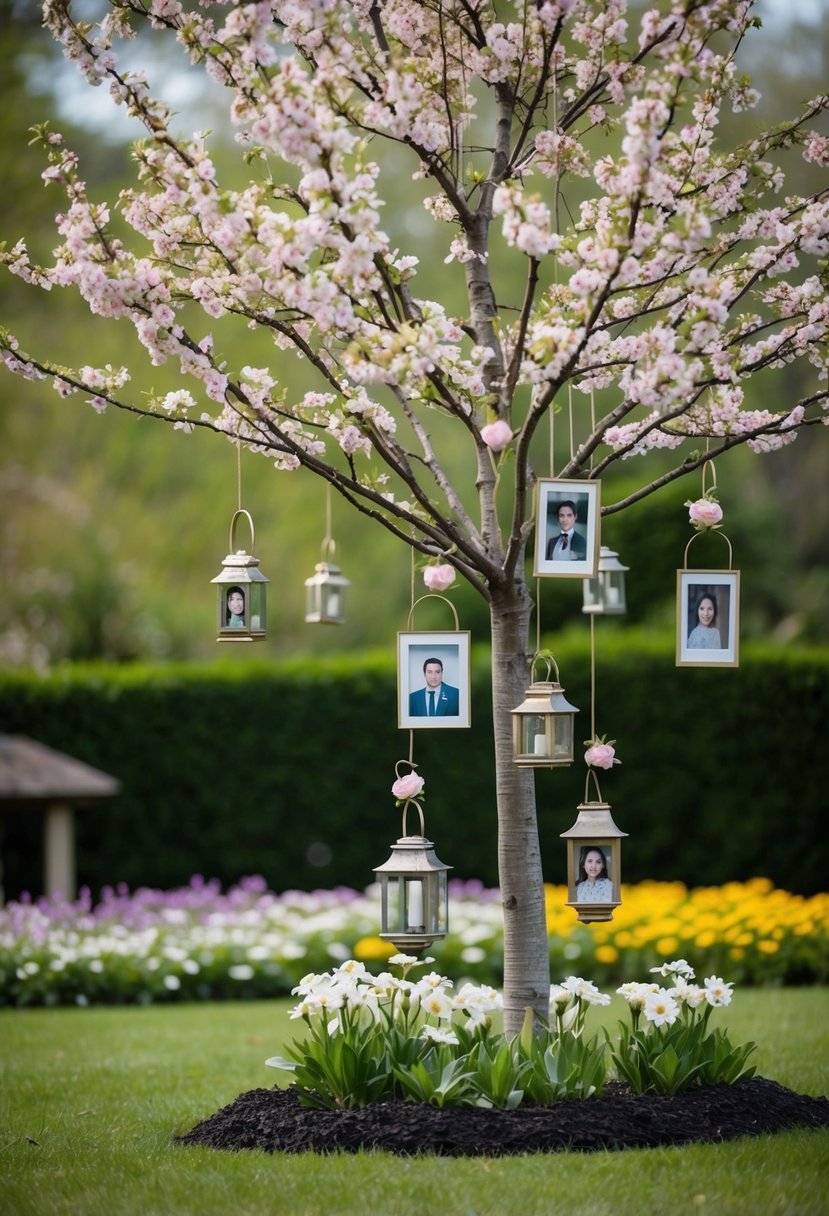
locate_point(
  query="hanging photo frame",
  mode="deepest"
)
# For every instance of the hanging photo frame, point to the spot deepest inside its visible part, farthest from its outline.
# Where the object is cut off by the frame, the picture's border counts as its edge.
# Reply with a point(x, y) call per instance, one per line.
point(708, 615)
point(433, 677)
point(567, 528)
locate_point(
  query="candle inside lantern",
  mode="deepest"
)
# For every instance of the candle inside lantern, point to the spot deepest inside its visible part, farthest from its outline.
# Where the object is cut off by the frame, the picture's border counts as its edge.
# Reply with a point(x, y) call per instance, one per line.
point(334, 604)
point(612, 594)
point(540, 745)
point(414, 904)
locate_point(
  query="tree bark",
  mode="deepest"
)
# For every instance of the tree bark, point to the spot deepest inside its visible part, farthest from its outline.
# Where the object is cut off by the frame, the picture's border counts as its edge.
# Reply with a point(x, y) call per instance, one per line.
point(526, 952)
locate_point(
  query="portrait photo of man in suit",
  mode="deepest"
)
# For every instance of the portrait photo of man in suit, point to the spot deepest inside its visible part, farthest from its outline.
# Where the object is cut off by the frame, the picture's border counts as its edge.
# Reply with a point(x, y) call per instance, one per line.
point(436, 699)
point(567, 543)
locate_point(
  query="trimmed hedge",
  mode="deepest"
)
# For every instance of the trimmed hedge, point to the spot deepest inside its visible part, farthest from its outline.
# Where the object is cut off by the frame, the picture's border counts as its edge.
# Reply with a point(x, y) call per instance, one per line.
point(285, 769)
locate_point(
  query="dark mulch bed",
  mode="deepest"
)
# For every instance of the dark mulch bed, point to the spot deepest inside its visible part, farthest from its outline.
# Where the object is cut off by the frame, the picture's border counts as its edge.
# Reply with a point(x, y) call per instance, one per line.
point(273, 1120)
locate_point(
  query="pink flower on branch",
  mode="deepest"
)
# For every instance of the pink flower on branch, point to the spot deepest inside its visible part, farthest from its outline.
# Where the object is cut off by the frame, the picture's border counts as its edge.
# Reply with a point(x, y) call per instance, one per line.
point(497, 435)
point(438, 577)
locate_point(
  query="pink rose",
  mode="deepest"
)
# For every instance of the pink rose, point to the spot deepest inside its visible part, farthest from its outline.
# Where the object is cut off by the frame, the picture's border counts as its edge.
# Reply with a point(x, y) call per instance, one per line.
point(438, 578)
point(601, 755)
point(408, 786)
point(497, 435)
point(703, 513)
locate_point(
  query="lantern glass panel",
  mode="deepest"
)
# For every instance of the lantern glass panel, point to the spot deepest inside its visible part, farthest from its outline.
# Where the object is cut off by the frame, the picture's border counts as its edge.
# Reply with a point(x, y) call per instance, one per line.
point(534, 735)
point(614, 590)
point(256, 599)
point(391, 915)
point(333, 602)
point(234, 606)
point(592, 593)
point(441, 906)
point(312, 600)
point(563, 736)
point(416, 906)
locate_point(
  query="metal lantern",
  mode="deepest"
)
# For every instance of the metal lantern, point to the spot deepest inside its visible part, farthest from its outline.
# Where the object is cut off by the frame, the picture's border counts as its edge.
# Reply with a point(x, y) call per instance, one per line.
point(594, 851)
point(542, 725)
point(605, 592)
point(325, 591)
point(241, 592)
point(414, 892)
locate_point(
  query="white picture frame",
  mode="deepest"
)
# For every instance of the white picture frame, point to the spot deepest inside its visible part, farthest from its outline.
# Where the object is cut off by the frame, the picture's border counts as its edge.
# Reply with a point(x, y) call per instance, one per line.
point(423, 649)
point(708, 618)
point(562, 502)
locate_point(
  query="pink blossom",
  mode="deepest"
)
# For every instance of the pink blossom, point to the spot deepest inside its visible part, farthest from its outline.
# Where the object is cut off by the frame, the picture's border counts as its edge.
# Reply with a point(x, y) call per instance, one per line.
point(497, 435)
point(704, 513)
point(408, 786)
point(439, 577)
point(601, 755)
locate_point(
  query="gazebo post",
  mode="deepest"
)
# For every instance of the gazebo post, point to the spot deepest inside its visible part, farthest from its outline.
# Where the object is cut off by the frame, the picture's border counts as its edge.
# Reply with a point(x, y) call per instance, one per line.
point(59, 851)
point(36, 778)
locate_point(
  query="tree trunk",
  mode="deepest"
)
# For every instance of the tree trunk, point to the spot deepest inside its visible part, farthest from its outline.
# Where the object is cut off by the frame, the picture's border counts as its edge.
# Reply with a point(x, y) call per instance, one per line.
point(526, 953)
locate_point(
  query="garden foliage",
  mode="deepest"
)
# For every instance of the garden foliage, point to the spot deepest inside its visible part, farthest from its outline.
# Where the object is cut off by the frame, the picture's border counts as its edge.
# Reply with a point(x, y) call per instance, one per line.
point(198, 943)
point(222, 773)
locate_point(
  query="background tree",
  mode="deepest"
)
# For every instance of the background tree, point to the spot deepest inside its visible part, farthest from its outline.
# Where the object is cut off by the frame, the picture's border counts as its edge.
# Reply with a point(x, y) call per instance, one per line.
point(660, 272)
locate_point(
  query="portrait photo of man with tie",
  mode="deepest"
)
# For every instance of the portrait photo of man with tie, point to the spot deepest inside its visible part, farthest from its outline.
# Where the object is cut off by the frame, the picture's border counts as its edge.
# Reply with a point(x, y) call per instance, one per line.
point(569, 545)
point(567, 529)
point(436, 699)
point(433, 679)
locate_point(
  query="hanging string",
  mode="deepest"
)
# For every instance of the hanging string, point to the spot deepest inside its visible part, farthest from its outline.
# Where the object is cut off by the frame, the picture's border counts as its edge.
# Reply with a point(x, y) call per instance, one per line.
point(328, 512)
point(709, 466)
point(592, 675)
point(538, 616)
point(412, 589)
point(552, 413)
point(459, 126)
point(557, 179)
point(570, 416)
point(592, 421)
point(411, 748)
point(238, 472)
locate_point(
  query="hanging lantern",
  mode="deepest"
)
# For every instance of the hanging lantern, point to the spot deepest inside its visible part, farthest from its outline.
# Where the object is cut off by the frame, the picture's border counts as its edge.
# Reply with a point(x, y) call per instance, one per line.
point(413, 892)
point(594, 863)
point(605, 592)
point(241, 592)
point(542, 725)
point(325, 590)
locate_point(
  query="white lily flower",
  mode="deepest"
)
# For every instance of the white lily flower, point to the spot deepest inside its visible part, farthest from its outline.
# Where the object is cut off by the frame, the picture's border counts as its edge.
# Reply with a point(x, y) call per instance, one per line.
point(437, 1005)
point(439, 1034)
point(717, 991)
point(661, 1008)
point(678, 967)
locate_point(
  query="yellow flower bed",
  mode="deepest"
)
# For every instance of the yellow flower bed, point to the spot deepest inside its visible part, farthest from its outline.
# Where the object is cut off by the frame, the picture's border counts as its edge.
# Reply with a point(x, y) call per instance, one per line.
point(750, 929)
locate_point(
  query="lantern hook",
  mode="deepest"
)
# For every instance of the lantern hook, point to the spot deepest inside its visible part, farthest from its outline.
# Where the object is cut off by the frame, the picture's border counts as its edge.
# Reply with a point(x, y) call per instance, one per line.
point(545, 656)
point(236, 515)
point(413, 802)
point(591, 772)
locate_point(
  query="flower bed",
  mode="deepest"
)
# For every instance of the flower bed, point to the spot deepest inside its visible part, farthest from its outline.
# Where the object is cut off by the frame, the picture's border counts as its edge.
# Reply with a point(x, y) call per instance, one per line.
point(380, 1038)
point(199, 943)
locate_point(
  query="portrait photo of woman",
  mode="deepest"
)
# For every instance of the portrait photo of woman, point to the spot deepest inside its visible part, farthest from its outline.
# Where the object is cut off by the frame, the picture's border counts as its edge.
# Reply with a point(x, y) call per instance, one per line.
point(705, 634)
point(593, 882)
point(707, 618)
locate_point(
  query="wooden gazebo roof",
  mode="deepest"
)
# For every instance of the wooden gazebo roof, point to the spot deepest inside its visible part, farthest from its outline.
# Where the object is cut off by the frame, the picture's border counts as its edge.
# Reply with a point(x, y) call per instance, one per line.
point(32, 774)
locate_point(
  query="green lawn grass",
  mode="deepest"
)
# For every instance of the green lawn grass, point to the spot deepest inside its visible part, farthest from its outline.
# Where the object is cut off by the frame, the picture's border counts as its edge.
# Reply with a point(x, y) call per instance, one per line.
point(90, 1098)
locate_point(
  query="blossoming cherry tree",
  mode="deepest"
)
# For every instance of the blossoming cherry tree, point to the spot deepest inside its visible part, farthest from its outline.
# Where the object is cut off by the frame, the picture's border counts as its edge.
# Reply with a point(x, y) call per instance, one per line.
point(610, 251)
